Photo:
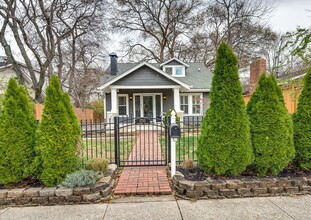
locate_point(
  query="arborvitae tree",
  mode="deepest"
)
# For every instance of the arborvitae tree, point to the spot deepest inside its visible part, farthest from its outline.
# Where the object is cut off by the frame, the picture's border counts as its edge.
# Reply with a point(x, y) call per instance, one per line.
point(17, 135)
point(271, 128)
point(302, 125)
point(57, 137)
point(224, 144)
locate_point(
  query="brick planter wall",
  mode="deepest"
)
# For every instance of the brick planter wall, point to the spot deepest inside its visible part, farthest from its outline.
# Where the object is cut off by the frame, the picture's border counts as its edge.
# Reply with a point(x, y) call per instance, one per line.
point(100, 192)
point(236, 188)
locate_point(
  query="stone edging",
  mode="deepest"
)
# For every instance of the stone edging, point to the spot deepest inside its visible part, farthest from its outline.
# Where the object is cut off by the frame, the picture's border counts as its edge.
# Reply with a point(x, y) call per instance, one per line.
point(236, 188)
point(100, 192)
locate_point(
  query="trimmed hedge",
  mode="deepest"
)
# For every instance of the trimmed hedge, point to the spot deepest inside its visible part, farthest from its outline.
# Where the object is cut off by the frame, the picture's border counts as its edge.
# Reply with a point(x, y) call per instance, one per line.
point(224, 146)
point(302, 125)
point(17, 135)
point(58, 136)
point(271, 128)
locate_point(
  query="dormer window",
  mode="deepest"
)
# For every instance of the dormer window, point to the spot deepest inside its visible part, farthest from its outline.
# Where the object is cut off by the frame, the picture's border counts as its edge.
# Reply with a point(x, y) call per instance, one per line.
point(175, 67)
point(174, 70)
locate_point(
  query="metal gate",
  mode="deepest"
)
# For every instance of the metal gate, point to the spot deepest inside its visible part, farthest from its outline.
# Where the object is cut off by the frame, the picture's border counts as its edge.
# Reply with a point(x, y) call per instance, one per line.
point(140, 141)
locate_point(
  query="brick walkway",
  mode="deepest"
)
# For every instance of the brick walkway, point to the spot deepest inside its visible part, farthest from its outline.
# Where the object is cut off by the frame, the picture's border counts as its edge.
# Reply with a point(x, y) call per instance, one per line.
point(143, 180)
point(147, 150)
point(139, 180)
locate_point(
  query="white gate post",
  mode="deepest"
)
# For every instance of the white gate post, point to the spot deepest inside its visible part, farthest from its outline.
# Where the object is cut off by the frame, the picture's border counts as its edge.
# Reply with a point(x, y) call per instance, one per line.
point(173, 147)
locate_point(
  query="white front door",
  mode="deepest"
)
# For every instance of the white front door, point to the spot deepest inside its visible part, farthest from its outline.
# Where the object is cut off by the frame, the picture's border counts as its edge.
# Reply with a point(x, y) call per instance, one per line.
point(147, 105)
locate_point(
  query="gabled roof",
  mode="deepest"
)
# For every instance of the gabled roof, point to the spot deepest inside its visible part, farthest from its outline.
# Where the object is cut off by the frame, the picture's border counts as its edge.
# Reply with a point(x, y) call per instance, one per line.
point(122, 74)
point(197, 77)
point(5, 65)
point(177, 60)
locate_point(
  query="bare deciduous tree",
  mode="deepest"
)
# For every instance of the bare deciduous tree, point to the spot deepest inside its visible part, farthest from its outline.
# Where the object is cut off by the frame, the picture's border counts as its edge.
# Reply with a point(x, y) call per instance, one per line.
point(43, 30)
point(240, 23)
point(159, 25)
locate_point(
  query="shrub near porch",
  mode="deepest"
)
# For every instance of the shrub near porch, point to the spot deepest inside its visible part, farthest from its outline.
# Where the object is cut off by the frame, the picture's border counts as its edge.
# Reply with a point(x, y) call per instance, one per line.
point(58, 137)
point(224, 144)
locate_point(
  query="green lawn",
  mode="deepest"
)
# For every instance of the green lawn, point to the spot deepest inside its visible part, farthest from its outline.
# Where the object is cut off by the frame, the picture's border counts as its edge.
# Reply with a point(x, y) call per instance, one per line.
point(104, 148)
point(185, 147)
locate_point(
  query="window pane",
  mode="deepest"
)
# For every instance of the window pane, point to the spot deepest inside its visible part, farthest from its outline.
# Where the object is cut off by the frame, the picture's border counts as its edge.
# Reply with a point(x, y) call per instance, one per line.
point(196, 109)
point(196, 104)
point(169, 70)
point(184, 103)
point(122, 110)
point(122, 100)
point(179, 71)
point(122, 105)
point(184, 108)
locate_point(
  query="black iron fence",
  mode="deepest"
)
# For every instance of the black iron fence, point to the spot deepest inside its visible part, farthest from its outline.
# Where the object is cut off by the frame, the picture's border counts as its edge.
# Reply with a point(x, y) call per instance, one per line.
point(187, 144)
point(98, 140)
point(116, 139)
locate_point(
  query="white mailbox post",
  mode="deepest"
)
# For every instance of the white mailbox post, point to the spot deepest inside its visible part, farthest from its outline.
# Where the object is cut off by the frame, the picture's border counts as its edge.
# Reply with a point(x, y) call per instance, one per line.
point(173, 147)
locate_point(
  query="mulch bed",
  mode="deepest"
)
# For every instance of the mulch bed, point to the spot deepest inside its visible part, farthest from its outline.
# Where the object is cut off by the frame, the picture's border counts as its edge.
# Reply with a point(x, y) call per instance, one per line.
point(197, 174)
point(25, 183)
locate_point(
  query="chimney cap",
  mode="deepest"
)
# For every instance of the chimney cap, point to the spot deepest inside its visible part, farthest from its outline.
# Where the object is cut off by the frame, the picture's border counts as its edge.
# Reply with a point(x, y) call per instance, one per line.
point(113, 54)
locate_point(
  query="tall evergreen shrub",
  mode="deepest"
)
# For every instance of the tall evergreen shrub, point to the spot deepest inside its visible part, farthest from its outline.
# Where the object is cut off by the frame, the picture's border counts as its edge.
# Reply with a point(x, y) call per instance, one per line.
point(271, 128)
point(302, 125)
point(17, 135)
point(224, 145)
point(58, 136)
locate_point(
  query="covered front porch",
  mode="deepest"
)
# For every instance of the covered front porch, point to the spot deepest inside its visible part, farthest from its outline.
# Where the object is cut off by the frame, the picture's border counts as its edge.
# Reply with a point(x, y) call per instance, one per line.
point(148, 102)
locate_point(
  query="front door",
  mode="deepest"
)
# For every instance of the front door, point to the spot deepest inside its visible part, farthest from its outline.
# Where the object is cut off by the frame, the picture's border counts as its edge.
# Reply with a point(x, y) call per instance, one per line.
point(147, 105)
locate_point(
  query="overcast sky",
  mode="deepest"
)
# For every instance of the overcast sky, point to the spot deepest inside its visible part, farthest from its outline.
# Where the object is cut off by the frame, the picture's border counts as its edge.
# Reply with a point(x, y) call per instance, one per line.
point(291, 13)
point(287, 16)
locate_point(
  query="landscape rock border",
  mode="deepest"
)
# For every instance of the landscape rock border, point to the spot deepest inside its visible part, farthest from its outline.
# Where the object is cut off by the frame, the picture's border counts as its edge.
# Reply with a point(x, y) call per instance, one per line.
point(34, 196)
point(239, 188)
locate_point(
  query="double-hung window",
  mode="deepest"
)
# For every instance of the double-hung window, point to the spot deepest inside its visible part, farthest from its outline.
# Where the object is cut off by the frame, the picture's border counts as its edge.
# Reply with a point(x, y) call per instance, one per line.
point(184, 103)
point(123, 104)
point(191, 104)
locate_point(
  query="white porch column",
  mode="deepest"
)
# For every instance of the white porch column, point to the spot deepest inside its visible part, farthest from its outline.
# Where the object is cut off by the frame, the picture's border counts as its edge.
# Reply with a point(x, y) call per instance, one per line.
point(114, 108)
point(176, 100)
point(114, 100)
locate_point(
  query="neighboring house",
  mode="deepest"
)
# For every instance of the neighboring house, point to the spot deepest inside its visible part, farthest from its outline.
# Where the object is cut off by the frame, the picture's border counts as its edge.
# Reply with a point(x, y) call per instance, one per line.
point(6, 72)
point(150, 89)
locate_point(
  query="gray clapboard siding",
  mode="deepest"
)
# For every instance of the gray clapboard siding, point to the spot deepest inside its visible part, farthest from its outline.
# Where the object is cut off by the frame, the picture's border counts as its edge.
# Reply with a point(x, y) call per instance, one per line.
point(145, 76)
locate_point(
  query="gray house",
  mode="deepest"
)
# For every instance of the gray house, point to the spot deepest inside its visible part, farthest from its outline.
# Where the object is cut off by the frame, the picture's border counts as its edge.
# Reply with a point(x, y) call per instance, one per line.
point(150, 89)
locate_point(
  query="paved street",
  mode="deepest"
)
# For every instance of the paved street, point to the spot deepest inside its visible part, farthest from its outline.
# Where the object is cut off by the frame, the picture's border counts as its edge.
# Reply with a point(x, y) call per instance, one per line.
point(166, 207)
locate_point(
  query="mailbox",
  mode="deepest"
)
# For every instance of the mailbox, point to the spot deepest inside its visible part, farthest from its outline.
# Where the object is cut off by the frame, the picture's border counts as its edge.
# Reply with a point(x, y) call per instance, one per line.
point(174, 131)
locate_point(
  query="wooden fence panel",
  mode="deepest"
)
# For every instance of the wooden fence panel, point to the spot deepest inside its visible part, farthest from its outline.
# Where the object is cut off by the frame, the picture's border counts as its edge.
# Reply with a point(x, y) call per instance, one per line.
point(290, 98)
point(86, 114)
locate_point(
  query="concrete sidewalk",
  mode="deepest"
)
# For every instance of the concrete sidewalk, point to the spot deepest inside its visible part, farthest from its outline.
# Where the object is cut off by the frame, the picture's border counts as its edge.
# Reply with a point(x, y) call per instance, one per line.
point(166, 207)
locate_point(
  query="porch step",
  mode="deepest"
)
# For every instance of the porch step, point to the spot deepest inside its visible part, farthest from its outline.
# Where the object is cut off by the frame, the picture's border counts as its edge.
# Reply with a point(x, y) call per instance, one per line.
point(143, 181)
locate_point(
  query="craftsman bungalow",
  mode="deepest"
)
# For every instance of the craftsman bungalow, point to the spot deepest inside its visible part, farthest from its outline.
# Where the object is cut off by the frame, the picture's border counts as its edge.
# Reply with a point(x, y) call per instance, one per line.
point(150, 89)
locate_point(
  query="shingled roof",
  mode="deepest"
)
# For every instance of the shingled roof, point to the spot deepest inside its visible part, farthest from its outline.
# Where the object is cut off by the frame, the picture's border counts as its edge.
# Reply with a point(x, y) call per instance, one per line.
point(197, 75)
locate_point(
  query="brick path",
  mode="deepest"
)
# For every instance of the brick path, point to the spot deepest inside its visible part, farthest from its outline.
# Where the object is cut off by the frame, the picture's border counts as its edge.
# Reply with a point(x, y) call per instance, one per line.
point(145, 179)
point(147, 149)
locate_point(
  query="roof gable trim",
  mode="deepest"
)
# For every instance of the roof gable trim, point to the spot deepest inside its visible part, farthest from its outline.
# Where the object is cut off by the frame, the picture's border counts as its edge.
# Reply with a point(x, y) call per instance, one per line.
point(137, 67)
point(177, 60)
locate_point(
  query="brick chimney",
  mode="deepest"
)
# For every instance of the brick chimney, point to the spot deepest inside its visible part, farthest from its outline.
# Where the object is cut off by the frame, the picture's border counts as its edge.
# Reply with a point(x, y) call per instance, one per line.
point(258, 66)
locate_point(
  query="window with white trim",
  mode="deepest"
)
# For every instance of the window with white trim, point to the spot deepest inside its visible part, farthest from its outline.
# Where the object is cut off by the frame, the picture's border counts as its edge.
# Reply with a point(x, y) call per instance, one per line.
point(184, 103)
point(123, 104)
point(191, 104)
point(196, 104)
point(175, 70)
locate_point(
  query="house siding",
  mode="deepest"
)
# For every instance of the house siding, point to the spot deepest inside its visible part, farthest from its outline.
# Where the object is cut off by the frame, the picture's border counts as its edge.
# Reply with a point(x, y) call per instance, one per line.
point(144, 76)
